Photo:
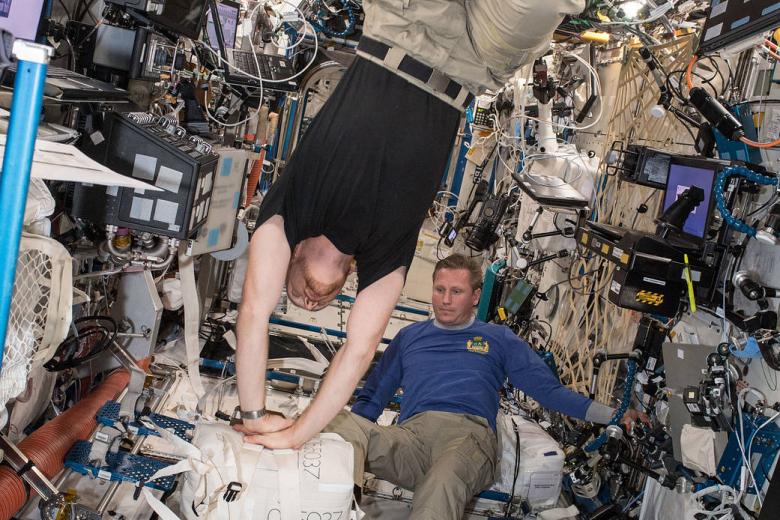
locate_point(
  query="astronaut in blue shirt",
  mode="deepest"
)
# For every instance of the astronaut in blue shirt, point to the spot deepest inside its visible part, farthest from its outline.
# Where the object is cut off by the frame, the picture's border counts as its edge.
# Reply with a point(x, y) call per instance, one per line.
point(451, 369)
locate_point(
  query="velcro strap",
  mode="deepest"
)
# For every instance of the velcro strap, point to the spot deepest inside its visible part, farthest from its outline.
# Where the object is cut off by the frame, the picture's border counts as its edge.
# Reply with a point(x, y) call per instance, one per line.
point(396, 58)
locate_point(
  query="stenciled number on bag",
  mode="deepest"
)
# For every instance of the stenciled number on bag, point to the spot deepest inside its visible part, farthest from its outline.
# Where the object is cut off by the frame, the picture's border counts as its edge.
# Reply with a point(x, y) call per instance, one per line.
point(312, 459)
point(327, 515)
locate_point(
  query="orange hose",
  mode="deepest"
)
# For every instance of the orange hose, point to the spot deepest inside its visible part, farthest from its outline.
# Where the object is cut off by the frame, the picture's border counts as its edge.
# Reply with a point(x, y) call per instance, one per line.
point(48, 445)
point(689, 70)
point(754, 144)
point(745, 140)
point(254, 177)
point(772, 53)
point(771, 44)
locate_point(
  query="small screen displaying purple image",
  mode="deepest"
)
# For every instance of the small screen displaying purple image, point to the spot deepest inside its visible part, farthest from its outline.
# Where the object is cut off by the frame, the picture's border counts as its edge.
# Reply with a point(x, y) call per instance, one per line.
point(680, 179)
point(21, 17)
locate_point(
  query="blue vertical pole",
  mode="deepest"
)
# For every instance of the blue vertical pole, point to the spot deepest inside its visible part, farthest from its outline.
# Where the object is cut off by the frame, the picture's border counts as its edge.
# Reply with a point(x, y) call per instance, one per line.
point(15, 177)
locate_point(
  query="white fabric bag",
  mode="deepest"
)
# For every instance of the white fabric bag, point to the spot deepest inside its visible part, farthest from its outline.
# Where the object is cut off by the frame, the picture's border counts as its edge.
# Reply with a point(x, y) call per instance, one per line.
point(40, 313)
point(541, 461)
point(698, 449)
point(40, 203)
point(222, 477)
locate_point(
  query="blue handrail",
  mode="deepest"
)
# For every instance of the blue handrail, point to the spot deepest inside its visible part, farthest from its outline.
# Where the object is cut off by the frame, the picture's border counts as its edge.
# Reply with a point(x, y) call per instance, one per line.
point(17, 161)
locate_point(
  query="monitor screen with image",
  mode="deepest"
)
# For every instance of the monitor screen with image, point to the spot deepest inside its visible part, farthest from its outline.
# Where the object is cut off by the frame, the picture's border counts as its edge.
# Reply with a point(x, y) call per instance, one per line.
point(228, 19)
point(680, 178)
point(21, 17)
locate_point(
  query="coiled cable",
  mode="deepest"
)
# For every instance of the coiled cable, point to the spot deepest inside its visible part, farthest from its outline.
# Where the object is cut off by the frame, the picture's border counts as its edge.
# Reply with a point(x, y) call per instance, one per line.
point(620, 412)
point(720, 200)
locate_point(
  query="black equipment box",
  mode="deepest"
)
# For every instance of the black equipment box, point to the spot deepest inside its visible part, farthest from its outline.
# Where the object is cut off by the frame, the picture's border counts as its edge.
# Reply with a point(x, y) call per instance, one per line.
point(652, 281)
point(649, 273)
point(159, 152)
point(642, 165)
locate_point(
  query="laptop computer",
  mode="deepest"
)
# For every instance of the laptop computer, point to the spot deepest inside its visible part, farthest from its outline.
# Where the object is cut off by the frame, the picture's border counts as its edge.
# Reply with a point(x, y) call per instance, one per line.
point(68, 86)
point(222, 28)
point(22, 20)
point(551, 191)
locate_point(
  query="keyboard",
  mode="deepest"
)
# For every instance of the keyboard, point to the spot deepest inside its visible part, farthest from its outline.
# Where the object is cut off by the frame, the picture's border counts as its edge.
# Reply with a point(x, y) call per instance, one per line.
point(245, 61)
point(271, 67)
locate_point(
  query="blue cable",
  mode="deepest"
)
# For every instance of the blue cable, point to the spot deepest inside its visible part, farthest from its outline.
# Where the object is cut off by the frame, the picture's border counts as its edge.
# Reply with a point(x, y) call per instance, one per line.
point(292, 34)
point(349, 29)
point(720, 201)
point(629, 385)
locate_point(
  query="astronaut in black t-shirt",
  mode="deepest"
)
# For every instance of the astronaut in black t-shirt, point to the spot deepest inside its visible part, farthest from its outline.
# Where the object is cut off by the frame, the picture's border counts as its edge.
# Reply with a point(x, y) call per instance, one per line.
point(355, 192)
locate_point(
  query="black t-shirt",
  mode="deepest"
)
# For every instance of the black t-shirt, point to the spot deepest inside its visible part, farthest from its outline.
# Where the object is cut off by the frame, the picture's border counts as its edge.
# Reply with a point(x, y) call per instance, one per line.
point(367, 170)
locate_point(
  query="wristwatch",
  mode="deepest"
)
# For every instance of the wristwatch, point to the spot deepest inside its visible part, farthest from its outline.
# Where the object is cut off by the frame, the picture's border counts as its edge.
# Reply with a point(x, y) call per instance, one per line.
point(248, 415)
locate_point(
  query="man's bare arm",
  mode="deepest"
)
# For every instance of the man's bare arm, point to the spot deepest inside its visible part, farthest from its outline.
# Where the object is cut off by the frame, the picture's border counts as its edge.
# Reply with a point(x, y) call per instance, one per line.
point(365, 327)
point(269, 255)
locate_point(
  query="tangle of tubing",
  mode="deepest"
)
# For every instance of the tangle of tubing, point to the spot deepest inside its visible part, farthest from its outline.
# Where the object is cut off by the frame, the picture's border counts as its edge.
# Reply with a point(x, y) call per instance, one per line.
point(745, 140)
point(48, 445)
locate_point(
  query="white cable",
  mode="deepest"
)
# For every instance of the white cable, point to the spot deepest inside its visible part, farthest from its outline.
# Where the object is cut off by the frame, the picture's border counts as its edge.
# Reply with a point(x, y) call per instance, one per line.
point(228, 125)
point(259, 78)
point(750, 450)
point(723, 511)
point(595, 75)
point(301, 39)
point(741, 443)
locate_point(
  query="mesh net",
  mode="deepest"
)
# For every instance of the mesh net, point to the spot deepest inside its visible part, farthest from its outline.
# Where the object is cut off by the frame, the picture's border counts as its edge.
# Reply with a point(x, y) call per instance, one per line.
point(40, 314)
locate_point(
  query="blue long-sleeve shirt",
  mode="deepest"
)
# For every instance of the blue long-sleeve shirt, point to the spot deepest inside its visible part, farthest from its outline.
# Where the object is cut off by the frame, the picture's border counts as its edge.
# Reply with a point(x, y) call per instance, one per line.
point(461, 371)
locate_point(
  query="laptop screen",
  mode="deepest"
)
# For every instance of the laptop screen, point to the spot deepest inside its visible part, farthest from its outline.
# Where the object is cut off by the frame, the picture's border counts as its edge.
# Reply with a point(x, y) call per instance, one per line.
point(681, 177)
point(21, 17)
point(228, 18)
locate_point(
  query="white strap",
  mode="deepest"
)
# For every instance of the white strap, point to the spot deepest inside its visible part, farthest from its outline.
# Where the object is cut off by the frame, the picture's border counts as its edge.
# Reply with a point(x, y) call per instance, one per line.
point(357, 513)
point(559, 513)
point(191, 317)
point(101, 442)
point(163, 511)
point(249, 461)
point(134, 390)
point(184, 448)
point(289, 483)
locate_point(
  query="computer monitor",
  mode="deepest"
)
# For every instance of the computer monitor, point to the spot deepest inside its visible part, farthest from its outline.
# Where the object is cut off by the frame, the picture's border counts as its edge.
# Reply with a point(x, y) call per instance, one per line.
point(228, 18)
point(730, 21)
point(683, 174)
point(183, 17)
point(21, 17)
point(644, 165)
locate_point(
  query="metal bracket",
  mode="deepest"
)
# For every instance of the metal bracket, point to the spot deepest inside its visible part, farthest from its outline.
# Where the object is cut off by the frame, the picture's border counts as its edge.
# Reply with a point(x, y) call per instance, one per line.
point(26, 469)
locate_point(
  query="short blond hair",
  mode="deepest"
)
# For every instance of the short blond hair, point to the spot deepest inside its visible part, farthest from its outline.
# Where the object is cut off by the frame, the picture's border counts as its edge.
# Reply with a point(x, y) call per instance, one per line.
point(458, 261)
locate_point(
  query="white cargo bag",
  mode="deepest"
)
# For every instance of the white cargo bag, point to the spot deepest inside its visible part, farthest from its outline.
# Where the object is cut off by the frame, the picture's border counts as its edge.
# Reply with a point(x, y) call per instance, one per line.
point(540, 466)
point(222, 477)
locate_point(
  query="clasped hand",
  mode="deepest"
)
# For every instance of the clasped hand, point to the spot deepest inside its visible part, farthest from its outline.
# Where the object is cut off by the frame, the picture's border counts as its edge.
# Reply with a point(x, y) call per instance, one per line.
point(272, 431)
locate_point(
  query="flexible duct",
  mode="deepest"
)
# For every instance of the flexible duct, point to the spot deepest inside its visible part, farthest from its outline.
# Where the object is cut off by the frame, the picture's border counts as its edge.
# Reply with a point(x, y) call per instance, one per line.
point(254, 178)
point(49, 444)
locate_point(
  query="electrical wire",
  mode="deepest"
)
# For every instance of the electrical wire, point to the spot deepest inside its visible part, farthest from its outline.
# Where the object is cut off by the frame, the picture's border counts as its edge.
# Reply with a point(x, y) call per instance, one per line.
point(750, 448)
point(259, 78)
point(741, 440)
point(595, 75)
point(227, 125)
